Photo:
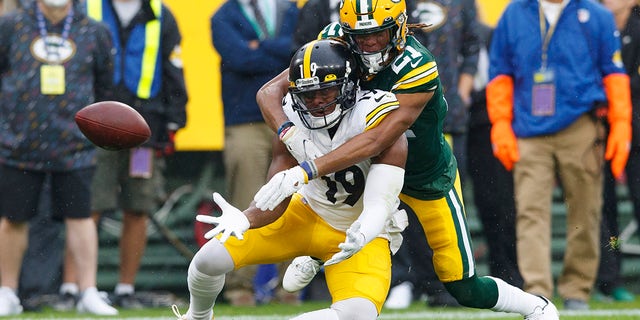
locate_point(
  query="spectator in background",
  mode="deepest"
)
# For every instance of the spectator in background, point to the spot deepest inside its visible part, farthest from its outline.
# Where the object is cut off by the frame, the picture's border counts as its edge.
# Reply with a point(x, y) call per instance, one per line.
point(132, 180)
point(53, 62)
point(627, 17)
point(492, 183)
point(313, 17)
point(452, 37)
point(253, 39)
point(542, 54)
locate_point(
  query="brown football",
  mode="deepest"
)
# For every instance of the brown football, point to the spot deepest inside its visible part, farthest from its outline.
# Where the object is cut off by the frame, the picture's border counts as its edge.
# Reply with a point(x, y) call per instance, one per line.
point(112, 125)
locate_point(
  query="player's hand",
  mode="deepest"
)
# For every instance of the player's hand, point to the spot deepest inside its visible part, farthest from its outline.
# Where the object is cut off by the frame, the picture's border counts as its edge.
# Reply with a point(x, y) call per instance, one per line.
point(618, 146)
point(282, 185)
point(504, 144)
point(299, 144)
point(352, 244)
point(232, 222)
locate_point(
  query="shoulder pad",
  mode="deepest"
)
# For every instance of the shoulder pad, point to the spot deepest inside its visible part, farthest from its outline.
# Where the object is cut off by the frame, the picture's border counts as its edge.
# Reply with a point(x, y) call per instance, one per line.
point(332, 30)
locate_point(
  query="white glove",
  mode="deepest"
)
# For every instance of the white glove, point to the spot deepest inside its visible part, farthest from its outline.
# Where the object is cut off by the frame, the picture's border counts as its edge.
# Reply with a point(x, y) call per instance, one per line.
point(232, 222)
point(353, 243)
point(299, 144)
point(283, 184)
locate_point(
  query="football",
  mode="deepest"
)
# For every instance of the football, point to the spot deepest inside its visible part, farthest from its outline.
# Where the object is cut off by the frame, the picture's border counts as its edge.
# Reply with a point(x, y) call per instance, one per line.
point(112, 125)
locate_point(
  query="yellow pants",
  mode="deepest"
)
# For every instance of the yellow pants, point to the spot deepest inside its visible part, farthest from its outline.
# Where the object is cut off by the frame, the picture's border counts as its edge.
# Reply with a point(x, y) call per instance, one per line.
point(300, 232)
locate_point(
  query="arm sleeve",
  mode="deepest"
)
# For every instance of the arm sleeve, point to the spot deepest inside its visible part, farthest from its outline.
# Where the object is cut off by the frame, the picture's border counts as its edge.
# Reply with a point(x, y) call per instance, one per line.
point(382, 188)
point(499, 90)
point(5, 34)
point(174, 90)
point(500, 99)
point(103, 67)
point(470, 39)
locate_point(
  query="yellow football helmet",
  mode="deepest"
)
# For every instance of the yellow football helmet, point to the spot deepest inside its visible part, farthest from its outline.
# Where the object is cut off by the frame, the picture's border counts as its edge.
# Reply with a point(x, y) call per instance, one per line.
point(358, 17)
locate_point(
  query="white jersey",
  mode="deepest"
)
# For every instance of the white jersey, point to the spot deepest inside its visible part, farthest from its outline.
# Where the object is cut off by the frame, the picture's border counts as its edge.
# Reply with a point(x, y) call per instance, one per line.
point(337, 197)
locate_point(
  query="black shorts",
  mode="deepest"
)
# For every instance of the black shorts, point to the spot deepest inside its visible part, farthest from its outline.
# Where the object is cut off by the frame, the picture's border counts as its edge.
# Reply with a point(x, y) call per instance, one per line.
point(20, 193)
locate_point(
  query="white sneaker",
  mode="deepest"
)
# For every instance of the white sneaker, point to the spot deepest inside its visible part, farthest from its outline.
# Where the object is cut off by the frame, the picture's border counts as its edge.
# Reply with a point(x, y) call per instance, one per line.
point(400, 296)
point(92, 302)
point(9, 302)
point(300, 273)
point(545, 311)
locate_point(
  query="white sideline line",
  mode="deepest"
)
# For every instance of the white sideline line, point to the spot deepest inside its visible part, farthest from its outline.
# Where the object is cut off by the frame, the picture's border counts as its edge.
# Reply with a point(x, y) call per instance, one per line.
point(454, 315)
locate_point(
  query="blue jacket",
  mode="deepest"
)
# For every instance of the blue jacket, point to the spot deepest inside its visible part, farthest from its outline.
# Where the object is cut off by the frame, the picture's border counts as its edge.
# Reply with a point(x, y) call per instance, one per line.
point(130, 55)
point(245, 70)
point(584, 48)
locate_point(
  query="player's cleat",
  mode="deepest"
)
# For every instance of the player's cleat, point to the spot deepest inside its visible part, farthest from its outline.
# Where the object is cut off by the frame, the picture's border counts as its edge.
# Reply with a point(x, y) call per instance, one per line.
point(545, 311)
point(9, 302)
point(300, 273)
point(176, 312)
point(185, 316)
point(91, 302)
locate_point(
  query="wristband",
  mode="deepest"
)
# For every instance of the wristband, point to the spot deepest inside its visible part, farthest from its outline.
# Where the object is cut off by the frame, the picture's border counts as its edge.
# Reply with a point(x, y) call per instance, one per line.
point(284, 127)
point(309, 168)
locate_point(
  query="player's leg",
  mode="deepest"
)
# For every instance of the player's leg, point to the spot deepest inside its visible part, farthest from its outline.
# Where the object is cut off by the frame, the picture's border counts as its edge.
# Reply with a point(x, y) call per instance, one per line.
point(19, 198)
point(70, 199)
point(445, 226)
point(358, 285)
point(285, 238)
point(139, 198)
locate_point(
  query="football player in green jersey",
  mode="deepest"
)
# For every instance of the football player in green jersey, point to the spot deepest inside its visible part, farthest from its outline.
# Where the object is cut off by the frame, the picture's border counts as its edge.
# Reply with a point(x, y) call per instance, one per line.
point(393, 60)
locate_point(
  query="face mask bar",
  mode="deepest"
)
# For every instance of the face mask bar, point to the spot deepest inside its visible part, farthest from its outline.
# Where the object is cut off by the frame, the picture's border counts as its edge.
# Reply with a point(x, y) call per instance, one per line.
point(307, 114)
point(373, 62)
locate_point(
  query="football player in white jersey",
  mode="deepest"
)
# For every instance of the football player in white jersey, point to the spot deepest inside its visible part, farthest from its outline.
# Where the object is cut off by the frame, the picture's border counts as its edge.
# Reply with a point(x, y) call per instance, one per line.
point(348, 218)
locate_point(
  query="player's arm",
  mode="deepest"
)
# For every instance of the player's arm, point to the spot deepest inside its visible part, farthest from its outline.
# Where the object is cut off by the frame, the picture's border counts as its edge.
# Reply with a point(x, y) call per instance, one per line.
point(281, 160)
point(380, 200)
point(232, 221)
point(366, 145)
point(269, 99)
point(373, 142)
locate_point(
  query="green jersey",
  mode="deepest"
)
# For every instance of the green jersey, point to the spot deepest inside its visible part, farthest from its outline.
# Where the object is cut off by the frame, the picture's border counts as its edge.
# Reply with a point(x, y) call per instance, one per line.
point(431, 167)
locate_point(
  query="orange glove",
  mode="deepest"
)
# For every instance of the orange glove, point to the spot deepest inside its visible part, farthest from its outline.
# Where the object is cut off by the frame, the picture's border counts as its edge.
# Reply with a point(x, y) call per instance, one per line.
point(504, 144)
point(618, 91)
point(500, 109)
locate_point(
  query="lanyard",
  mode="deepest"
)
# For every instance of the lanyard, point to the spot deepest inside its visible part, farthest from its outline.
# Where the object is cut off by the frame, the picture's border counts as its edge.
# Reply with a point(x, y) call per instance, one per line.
point(546, 36)
point(44, 35)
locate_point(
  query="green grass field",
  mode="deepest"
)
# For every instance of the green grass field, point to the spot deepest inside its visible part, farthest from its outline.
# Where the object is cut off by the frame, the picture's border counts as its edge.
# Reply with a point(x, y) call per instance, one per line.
point(599, 310)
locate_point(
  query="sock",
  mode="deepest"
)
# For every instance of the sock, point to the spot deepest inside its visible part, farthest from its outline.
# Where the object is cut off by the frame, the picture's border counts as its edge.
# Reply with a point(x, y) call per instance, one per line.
point(203, 291)
point(513, 299)
point(124, 289)
point(70, 288)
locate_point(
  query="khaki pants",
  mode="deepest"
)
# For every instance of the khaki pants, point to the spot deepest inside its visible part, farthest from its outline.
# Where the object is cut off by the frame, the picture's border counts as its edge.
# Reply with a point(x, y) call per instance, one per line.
point(574, 156)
